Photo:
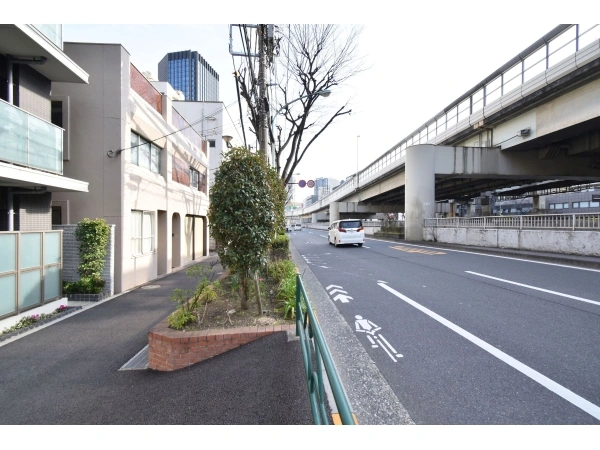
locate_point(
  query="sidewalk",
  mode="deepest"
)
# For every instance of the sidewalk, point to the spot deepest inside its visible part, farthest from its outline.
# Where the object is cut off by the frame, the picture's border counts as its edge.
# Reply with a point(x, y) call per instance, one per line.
point(71, 371)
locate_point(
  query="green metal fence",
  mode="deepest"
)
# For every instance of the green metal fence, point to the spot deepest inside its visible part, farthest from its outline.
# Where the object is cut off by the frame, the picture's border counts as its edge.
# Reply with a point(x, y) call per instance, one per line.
point(314, 349)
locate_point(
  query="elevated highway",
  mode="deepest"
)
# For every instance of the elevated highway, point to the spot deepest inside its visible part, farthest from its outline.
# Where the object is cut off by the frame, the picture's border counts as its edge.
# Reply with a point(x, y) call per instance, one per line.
point(533, 122)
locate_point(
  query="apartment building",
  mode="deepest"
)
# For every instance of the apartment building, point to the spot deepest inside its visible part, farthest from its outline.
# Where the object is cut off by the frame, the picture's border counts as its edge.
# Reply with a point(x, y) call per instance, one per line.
point(146, 166)
point(33, 149)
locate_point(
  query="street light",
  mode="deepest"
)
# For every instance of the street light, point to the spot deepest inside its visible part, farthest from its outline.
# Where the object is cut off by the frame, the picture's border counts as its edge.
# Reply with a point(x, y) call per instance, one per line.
point(227, 140)
point(322, 93)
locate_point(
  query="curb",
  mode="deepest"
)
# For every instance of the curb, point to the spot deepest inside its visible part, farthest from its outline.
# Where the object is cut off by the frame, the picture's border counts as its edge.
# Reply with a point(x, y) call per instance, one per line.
point(70, 310)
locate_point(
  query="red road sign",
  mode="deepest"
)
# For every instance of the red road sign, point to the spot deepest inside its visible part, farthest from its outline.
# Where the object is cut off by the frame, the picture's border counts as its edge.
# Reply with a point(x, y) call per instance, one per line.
point(310, 183)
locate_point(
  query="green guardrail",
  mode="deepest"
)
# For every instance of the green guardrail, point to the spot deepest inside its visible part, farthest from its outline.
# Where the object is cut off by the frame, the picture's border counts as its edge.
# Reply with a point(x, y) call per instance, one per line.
point(314, 348)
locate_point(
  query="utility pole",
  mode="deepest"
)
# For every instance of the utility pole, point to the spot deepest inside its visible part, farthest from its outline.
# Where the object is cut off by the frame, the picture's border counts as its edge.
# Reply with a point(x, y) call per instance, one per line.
point(262, 90)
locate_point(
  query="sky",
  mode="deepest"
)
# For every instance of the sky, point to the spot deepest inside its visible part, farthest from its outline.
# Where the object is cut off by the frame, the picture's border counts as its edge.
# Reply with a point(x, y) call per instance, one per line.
point(413, 72)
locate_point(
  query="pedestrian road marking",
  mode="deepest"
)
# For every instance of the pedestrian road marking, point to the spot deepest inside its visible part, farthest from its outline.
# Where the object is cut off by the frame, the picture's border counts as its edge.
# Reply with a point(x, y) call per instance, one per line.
point(546, 382)
point(535, 288)
point(417, 250)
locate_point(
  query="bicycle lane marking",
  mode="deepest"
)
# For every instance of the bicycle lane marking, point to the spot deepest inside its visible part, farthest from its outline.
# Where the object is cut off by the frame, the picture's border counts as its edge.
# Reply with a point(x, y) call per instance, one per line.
point(546, 382)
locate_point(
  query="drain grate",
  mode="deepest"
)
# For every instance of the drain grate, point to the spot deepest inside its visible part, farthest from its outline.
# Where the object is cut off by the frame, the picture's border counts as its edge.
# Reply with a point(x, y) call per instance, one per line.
point(138, 362)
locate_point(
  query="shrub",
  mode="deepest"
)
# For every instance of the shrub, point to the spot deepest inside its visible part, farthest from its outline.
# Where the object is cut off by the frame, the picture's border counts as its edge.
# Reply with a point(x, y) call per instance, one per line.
point(92, 237)
point(282, 269)
point(188, 302)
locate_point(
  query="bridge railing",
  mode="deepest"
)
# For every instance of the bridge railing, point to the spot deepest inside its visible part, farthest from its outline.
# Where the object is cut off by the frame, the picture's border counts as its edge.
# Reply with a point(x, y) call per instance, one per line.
point(543, 221)
point(314, 349)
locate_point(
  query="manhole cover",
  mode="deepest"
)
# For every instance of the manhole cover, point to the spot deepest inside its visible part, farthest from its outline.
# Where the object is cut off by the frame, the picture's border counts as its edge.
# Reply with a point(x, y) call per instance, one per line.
point(151, 286)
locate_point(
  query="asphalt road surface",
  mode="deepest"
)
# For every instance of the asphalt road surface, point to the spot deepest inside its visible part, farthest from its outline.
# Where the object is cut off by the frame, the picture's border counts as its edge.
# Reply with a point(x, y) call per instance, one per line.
point(465, 338)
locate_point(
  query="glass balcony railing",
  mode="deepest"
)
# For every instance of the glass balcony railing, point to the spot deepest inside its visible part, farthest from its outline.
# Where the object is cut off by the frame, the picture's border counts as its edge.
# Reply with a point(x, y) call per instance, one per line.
point(30, 141)
point(53, 32)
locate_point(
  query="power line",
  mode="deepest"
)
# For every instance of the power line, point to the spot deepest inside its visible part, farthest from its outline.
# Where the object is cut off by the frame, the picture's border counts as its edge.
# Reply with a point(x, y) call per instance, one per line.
point(190, 125)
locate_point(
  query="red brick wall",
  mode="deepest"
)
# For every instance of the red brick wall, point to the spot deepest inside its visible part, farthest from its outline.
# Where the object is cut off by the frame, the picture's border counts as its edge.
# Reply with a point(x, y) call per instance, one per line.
point(144, 89)
point(169, 349)
point(181, 172)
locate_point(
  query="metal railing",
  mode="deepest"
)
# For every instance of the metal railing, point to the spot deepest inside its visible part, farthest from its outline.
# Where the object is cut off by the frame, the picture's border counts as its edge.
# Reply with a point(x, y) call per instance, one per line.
point(314, 348)
point(542, 222)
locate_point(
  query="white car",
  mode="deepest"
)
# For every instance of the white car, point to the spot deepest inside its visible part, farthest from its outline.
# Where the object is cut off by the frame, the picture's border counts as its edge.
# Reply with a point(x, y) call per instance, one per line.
point(347, 231)
point(297, 227)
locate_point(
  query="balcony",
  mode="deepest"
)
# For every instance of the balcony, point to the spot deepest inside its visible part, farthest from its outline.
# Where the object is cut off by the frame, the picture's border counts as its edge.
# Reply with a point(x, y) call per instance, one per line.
point(30, 141)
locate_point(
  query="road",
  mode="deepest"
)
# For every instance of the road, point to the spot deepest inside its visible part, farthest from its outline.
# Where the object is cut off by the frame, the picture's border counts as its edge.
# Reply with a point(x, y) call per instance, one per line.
point(465, 338)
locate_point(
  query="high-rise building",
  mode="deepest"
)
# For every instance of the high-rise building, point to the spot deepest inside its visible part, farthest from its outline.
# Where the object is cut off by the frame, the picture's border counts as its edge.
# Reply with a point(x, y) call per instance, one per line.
point(188, 72)
point(324, 186)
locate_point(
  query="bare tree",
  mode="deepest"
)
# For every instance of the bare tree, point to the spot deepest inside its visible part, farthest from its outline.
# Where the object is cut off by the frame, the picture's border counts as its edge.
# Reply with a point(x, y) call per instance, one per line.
point(314, 58)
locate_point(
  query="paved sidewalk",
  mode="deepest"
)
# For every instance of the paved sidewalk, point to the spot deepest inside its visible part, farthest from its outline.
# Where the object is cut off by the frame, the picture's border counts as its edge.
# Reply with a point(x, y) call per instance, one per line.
point(68, 371)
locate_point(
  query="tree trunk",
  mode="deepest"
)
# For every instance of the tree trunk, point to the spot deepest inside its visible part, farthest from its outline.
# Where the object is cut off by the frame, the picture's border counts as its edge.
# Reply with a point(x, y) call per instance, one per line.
point(256, 282)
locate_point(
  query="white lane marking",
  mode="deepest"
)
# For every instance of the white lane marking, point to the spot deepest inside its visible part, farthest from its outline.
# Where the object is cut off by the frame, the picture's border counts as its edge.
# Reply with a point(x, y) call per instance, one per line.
point(364, 246)
point(535, 288)
point(337, 290)
point(324, 267)
point(343, 298)
point(333, 286)
point(323, 236)
point(549, 384)
point(494, 256)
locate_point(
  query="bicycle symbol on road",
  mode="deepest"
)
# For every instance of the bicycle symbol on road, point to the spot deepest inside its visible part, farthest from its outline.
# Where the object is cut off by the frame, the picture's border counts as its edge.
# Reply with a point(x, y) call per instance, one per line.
point(377, 340)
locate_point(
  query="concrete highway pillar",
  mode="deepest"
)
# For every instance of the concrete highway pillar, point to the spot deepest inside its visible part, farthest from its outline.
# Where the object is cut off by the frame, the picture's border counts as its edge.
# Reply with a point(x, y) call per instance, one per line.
point(536, 204)
point(314, 218)
point(334, 211)
point(420, 189)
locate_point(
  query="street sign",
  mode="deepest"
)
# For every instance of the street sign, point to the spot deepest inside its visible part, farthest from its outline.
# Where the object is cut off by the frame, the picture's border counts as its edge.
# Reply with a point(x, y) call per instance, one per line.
point(310, 183)
point(301, 183)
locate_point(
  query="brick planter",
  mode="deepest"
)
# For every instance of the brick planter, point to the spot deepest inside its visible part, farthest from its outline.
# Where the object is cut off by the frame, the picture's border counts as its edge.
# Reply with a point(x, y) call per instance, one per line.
point(170, 349)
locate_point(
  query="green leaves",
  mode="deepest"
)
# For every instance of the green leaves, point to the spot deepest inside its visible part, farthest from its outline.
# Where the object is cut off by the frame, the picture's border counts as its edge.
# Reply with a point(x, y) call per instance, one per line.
point(246, 208)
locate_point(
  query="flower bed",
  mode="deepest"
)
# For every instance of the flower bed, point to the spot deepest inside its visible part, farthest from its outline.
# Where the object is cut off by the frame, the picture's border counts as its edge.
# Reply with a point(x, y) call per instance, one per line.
point(170, 349)
point(35, 320)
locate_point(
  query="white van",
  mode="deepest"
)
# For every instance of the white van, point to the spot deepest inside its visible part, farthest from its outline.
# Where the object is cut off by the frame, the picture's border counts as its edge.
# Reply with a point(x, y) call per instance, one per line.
point(347, 231)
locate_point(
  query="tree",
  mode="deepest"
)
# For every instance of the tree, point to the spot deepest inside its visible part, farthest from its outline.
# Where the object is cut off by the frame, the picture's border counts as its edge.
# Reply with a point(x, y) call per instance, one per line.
point(244, 214)
point(314, 58)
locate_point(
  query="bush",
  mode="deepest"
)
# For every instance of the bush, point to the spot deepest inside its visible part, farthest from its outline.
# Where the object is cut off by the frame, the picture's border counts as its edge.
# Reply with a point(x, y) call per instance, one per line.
point(93, 285)
point(92, 237)
point(280, 270)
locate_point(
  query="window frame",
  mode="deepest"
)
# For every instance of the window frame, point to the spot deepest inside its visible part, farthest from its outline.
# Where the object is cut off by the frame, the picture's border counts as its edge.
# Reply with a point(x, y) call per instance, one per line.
point(154, 153)
point(139, 236)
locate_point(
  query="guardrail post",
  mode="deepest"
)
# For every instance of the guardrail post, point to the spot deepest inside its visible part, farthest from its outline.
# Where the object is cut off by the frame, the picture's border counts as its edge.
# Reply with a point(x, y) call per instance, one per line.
point(573, 227)
point(520, 222)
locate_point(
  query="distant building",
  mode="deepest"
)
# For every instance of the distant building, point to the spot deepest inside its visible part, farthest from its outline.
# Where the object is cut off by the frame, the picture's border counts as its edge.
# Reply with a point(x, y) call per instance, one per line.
point(324, 186)
point(188, 72)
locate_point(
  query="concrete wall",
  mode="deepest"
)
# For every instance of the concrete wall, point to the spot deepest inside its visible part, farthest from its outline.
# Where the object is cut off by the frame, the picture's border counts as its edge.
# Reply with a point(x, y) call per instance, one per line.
point(586, 243)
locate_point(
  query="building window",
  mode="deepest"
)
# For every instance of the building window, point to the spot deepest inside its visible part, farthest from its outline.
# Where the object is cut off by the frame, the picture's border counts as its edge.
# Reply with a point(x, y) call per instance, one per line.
point(144, 153)
point(594, 204)
point(142, 232)
point(212, 143)
point(198, 178)
point(559, 206)
point(194, 177)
